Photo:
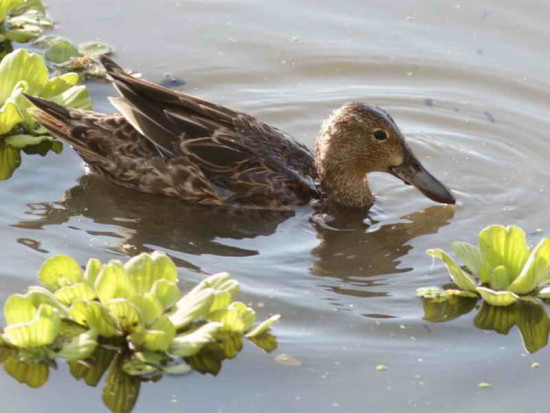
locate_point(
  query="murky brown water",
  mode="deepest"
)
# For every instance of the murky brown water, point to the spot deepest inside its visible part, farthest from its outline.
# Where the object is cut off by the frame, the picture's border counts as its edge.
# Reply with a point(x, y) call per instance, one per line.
point(468, 83)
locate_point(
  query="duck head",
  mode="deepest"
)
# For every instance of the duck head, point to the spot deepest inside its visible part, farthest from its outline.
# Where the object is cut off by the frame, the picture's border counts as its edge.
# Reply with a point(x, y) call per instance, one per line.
point(358, 139)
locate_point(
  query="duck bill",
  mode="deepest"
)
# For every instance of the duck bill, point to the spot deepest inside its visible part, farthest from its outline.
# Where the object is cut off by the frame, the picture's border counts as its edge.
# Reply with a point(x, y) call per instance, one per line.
point(413, 173)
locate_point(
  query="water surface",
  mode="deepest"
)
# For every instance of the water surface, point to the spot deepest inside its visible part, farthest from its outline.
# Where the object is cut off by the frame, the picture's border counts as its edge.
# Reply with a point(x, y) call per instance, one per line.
point(468, 83)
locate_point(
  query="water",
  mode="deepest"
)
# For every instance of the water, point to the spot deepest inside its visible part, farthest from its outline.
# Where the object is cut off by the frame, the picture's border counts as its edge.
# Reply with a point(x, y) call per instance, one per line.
point(468, 84)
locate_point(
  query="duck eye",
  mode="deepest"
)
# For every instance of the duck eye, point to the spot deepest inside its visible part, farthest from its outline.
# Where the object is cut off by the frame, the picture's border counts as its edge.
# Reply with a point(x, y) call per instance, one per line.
point(380, 134)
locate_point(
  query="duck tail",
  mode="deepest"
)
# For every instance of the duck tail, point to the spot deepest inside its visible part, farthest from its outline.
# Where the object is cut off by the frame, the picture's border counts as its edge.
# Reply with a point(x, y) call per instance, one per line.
point(62, 123)
point(52, 116)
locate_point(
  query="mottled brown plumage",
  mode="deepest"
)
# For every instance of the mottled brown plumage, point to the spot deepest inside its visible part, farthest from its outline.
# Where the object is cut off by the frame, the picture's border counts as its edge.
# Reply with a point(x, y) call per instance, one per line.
point(179, 145)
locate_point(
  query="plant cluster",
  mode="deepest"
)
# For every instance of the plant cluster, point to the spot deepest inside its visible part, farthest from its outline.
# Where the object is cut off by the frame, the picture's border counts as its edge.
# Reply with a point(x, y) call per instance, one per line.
point(501, 270)
point(134, 308)
point(21, 21)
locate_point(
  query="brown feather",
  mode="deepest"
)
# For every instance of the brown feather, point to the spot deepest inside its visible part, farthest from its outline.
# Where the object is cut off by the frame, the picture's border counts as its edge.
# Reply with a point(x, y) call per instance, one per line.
point(182, 146)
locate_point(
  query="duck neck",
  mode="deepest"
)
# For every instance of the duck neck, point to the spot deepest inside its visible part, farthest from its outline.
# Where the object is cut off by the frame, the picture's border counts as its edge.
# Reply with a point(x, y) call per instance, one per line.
point(343, 188)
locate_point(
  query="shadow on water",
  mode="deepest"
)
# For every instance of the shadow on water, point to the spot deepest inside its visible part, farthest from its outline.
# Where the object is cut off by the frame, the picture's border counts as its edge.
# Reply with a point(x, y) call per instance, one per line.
point(169, 224)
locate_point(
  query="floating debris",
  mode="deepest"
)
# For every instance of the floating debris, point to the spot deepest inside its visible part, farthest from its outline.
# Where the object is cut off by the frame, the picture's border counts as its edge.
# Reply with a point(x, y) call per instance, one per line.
point(287, 360)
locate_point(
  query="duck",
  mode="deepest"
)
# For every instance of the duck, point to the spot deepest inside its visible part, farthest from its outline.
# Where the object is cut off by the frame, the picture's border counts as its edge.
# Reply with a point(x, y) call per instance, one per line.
point(175, 144)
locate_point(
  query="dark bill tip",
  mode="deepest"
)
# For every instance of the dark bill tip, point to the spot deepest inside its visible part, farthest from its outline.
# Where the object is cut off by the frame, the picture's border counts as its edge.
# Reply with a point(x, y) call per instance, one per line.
point(413, 173)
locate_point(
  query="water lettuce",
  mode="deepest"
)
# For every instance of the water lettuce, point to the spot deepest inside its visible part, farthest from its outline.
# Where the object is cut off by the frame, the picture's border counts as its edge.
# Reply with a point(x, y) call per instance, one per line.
point(25, 72)
point(82, 59)
point(501, 269)
point(135, 307)
point(21, 21)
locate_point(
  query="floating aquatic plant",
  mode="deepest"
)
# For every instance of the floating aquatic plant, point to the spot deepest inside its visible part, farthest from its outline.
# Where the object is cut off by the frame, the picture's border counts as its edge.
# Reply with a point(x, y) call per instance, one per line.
point(82, 59)
point(501, 270)
point(21, 21)
point(25, 72)
point(133, 310)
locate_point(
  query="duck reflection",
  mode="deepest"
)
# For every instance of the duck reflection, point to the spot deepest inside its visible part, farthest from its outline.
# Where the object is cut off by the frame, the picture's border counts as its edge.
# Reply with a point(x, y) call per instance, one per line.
point(347, 244)
point(142, 220)
point(358, 249)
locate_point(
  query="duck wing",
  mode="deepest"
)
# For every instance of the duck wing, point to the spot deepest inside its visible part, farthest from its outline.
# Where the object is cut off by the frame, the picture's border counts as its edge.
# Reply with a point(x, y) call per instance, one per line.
point(247, 160)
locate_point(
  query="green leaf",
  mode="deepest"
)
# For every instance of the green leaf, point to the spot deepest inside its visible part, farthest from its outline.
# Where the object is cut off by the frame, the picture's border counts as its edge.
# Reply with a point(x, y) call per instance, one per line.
point(440, 295)
point(41, 331)
point(144, 269)
point(67, 295)
point(70, 329)
point(190, 343)
point(470, 256)
point(429, 292)
point(10, 116)
point(59, 271)
point(160, 335)
point(177, 369)
point(27, 5)
point(59, 84)
point(19, 309)
point(266, 341)
point(157, 338)
point(35, 375)
point(535, 271)
point(166, 292)
point(192, 307)
point(21, 65)
point(25, 34)
point(22, 141)
point(497, 298)
point(93, 268)
point(79, 347)
point(459, 277)
point(499, 278)
point(10, 159)
point(44, 147)
point(219, 282)
point(6, 6)
point(95, 316)
point(149, 307)
point(113, 282)
point(61, 52)
point(125, 314)
point(247, 314)
point(135, 367)
point(231, 319)
point(504, 246)
point(540, 264)
point(39, 295)
point(264, 326)
point(221, 301)
point(76, 97)
point(94, 49)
